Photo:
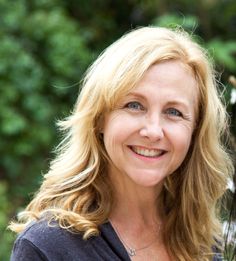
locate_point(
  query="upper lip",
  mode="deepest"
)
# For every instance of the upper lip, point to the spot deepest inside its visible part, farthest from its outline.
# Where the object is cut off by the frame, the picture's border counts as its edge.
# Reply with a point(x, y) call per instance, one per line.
point(146, 148)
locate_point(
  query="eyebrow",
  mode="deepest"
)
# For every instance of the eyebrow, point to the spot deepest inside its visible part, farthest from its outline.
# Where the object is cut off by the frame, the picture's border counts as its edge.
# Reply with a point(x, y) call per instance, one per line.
point(178, 102)
point(173, 102)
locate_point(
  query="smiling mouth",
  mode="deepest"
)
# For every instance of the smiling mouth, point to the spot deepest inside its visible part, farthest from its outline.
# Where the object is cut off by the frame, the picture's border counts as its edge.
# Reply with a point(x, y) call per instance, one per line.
point(147, 152)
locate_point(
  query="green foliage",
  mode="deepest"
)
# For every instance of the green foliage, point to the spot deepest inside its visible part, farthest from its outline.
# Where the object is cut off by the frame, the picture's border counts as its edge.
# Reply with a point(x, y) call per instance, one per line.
point(189, 22)
point(223, 52)
point(42, 51)
point(6, 237)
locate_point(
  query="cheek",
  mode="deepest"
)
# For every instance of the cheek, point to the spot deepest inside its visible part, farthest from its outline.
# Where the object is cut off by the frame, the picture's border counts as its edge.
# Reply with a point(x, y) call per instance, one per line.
point(120, 125)
point(116, 129)
point(180, 137)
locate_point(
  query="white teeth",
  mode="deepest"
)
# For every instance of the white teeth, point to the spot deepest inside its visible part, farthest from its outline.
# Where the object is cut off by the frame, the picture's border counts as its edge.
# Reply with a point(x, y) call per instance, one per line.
point(146, 152)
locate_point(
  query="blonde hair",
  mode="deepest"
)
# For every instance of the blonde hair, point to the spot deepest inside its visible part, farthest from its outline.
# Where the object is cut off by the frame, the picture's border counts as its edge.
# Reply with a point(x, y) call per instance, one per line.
point(77, 191)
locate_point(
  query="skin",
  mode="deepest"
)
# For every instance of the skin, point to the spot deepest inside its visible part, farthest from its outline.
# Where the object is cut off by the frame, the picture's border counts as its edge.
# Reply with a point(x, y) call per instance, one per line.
point(147, 138)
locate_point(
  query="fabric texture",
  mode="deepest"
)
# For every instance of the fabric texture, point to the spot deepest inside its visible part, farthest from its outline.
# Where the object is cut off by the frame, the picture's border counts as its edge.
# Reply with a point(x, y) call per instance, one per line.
point(40, 242)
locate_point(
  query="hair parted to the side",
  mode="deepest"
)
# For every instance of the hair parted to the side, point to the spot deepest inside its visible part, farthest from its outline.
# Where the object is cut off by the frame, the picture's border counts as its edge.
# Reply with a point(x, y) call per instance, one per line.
point(77, 192)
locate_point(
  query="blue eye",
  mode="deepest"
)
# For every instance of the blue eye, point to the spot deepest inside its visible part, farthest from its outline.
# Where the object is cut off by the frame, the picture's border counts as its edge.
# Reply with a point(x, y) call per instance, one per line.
point(134, 106)
point(174, 112)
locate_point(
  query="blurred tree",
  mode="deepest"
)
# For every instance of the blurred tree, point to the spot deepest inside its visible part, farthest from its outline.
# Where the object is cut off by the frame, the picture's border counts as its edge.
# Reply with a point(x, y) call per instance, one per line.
point(42, 53)
point(6, 238)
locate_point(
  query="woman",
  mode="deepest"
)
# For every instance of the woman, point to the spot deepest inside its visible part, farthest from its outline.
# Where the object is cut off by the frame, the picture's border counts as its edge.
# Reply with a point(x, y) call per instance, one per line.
point(142, 166)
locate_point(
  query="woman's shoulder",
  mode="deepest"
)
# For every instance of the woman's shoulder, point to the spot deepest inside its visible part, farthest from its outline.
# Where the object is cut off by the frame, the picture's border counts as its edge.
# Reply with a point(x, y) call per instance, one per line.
point(41, 232)
point(42, 240)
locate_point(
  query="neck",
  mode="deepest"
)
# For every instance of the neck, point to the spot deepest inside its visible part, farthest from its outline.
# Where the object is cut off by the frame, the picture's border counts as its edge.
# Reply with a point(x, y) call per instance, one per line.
point(137, 216)
point(138, 225)
point(136, 205)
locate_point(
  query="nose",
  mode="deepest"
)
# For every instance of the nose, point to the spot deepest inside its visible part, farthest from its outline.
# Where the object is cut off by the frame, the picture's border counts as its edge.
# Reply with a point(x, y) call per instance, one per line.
point(153, 130)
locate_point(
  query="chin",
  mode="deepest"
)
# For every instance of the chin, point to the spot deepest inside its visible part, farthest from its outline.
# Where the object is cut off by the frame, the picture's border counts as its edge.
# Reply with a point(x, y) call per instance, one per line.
point(152, 182)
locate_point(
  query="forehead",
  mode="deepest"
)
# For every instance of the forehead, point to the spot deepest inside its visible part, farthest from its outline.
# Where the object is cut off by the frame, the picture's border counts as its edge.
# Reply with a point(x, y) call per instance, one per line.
point(173, 79)
point(171, 72)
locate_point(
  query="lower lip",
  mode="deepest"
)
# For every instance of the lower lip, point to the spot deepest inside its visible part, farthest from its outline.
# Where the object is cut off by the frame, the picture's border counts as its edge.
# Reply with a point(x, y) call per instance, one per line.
point(149, 159)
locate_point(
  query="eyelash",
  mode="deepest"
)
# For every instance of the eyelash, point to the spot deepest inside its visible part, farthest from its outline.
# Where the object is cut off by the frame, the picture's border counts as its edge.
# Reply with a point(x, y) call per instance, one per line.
point(139, 107)
point(130, 105)
point(176, 113)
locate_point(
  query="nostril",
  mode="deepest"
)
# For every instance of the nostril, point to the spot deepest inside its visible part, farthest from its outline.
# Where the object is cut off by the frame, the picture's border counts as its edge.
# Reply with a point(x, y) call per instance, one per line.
point(152, 132)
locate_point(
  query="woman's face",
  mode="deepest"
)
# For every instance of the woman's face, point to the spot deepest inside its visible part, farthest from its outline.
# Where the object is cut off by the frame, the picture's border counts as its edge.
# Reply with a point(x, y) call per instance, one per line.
point(149, 133)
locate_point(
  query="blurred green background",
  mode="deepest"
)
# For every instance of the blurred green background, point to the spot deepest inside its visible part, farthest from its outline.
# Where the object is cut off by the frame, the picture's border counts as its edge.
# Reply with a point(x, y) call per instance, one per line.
point(45, 47)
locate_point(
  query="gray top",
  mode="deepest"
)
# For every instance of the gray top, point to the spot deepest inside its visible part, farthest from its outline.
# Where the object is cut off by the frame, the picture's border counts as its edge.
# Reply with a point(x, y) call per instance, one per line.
point(40, 242)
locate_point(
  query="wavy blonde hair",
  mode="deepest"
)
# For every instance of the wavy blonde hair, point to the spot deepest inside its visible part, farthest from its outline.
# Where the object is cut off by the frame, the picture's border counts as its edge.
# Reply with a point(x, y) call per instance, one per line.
point(77, 191)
